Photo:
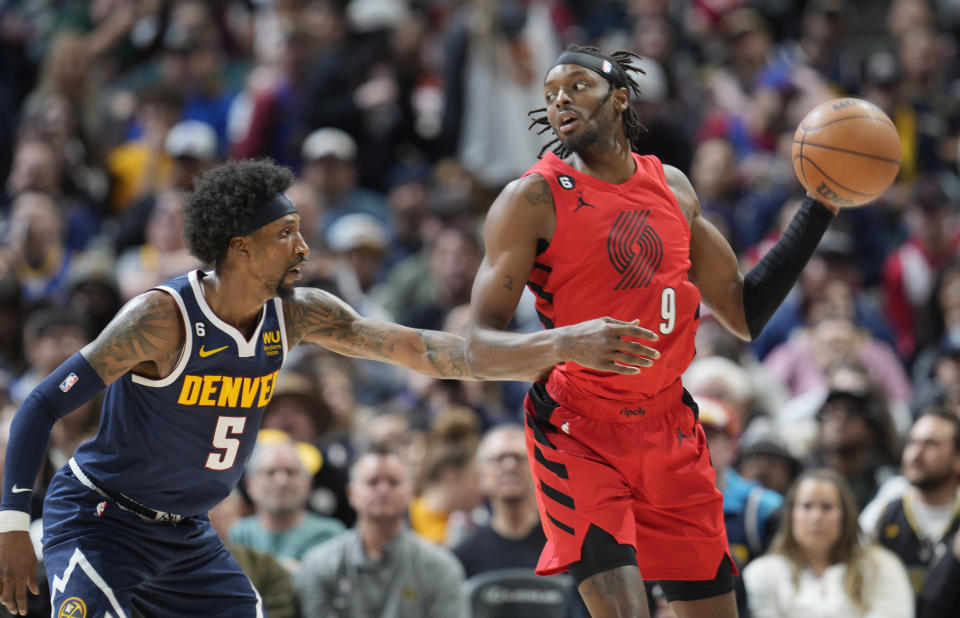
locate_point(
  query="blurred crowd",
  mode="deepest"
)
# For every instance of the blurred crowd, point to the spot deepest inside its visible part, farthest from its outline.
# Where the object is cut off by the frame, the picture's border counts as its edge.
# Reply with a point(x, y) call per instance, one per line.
point(402, 120)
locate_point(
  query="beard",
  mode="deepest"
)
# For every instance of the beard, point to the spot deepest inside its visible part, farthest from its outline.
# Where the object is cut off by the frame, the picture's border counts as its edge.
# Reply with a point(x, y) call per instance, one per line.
point(585, 140)
point(284, 290)
point(929, 480)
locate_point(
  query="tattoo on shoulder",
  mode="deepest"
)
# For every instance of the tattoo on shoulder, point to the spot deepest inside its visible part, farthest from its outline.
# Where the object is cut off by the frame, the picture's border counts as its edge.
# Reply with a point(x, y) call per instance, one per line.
point(146, 330)
point(508, 282)
point(542, 195)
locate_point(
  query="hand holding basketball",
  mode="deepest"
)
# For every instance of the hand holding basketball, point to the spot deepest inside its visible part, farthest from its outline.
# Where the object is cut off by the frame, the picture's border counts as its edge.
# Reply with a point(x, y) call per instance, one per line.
point(846, 152)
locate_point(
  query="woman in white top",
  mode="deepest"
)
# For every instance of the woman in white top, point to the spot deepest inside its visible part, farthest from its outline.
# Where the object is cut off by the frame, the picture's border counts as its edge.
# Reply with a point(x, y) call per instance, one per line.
point(817, 566)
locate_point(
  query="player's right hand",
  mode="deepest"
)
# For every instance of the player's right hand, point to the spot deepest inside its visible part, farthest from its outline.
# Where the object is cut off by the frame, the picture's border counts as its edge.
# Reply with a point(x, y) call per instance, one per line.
point(607, 344)
point(18, 570)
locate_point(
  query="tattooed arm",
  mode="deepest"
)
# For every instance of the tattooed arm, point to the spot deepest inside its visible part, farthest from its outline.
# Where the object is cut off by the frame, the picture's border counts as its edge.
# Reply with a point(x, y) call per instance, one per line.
point(316, 316)
point(146, 337)
point(521, 216)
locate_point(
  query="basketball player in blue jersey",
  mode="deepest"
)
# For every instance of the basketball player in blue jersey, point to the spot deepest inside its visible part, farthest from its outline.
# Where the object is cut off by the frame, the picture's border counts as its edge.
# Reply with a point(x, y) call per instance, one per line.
point(188, 368)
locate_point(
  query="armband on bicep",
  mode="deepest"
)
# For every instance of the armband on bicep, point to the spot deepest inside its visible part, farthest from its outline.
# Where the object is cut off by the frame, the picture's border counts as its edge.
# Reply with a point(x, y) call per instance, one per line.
point(71, 385)
point(769, 282)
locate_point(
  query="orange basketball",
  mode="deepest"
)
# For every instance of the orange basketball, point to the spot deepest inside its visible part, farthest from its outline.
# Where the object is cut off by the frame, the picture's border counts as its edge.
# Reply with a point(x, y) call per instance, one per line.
point(846, 152)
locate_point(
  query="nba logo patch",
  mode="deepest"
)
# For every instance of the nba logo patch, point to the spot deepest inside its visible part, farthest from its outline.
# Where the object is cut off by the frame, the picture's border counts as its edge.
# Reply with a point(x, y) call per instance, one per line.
point(101, 507)
point(606, 67)
point(68, 382)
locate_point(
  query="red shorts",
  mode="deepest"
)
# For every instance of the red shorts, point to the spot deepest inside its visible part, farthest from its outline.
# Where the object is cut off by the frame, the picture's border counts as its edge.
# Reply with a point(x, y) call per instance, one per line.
point(641, 474)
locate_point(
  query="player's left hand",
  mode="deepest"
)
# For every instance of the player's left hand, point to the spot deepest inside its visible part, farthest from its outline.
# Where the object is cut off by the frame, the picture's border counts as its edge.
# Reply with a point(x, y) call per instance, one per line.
point(18, 570)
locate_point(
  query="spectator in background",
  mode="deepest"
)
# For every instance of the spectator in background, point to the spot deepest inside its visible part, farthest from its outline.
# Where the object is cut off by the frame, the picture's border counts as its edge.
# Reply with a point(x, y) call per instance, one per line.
point(817, 565)
point(192, 148)
point(919, 527)
point(750, 511)
point(278, 484)
point(514, 536)
point(164, 255)
point(50, 336)
point(38, 167)
point(449, 485)
point(359, 242)
point(140, 165)
point(379, 568)
point(297, 410)
point(909, 273)
point(329, 165)
point(35, 246)
point(453, 261)
point(272, 582)
point(766, 458)
point(501, 47)
point(855, 435)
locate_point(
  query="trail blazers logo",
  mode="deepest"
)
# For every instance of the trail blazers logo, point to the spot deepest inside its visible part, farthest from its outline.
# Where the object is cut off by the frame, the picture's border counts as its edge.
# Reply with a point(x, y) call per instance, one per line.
point(634, 249)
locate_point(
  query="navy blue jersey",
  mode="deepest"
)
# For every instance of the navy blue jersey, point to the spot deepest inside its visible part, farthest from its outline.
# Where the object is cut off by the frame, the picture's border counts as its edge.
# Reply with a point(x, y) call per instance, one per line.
point(179, 444)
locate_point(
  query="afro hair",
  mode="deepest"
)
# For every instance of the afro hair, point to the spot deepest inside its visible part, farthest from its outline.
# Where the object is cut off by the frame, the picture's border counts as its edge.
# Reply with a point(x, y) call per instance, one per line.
point(223, 200)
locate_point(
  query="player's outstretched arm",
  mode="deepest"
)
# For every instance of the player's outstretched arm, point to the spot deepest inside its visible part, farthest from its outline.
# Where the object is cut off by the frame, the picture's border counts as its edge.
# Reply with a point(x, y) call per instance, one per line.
point(316, 316)
point(744, 304)
point(520, 216)
point(144, 334)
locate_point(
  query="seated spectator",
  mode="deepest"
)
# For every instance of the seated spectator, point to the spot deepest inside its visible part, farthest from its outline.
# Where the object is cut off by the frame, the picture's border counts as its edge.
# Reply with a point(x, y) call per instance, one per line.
point(164, 255)
point(329, 164)
point(272, 581)
point(750, 512)
point(380, 568)
point(449, 486)
point(855, 437)
point(278, 483)
point(50, 337)
point(35, 246)
point(297, 410)
point(514, 536)
point(817, 565)
point(920, 525)
point(766, 458)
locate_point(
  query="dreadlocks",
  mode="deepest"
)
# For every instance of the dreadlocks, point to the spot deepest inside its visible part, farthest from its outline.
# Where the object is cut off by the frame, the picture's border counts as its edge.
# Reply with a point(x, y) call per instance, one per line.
point(631, 123)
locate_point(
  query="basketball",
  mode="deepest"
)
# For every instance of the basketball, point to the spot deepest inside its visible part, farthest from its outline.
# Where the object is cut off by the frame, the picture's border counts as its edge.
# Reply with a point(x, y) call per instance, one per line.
point(846, 152)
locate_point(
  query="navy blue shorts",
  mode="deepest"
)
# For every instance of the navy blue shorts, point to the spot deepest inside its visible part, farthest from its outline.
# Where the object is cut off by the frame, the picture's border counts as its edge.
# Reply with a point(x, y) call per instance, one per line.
point(101, 560)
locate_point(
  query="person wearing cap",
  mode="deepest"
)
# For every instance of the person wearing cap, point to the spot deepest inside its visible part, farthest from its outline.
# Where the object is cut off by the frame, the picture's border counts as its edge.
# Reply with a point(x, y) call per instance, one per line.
point(617, 250)
point(188, 369)
point(330, 165)
point(191, 146)
point(750, 511)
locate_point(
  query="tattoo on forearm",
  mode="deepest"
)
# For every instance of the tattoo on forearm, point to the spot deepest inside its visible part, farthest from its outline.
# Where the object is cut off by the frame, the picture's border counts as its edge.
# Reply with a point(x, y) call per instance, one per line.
point(508, 282)
point(324, 319)
point(446, 353)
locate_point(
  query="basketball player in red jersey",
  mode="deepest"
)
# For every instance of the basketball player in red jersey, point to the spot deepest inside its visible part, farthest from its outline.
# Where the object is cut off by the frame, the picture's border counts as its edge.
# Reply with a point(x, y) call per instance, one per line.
point(618, 253)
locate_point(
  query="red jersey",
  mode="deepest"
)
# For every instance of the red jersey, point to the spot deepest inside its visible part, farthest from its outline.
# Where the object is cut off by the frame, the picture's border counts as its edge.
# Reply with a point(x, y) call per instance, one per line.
point(621, 251)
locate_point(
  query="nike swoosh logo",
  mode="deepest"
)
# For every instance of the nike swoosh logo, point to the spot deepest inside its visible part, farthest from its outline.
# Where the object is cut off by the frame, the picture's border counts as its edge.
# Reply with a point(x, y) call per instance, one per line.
point(20, 490)
point(206, 353)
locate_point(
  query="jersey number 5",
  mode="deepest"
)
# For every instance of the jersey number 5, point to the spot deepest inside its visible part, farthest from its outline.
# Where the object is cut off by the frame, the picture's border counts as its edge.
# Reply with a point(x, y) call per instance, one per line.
point(226, 426)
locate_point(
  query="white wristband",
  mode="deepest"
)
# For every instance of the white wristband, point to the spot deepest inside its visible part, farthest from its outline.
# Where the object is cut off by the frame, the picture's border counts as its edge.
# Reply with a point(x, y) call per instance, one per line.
point(11, 521)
